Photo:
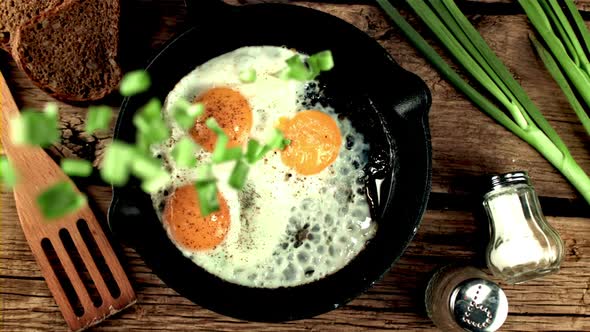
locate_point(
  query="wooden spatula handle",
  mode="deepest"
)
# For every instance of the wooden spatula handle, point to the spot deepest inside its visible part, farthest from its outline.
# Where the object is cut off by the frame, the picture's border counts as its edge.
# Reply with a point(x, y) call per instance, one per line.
point(37, 171)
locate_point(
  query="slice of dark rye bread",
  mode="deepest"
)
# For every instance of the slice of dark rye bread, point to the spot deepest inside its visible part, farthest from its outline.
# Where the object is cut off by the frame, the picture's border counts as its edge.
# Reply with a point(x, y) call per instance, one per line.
point(71, 51)
point(13, 13)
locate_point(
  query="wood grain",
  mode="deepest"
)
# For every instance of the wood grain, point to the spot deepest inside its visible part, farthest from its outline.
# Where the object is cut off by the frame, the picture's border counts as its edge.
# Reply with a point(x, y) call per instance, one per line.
point(466, 145)
point(557, 302)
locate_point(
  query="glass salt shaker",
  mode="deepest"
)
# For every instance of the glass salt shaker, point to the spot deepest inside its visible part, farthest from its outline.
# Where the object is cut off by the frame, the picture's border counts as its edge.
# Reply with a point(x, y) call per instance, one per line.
point(522, 244)
point(461, 298)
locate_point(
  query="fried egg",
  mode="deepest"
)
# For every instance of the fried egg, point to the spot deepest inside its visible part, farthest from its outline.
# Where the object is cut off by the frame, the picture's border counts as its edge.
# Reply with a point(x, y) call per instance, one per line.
point(303, 213)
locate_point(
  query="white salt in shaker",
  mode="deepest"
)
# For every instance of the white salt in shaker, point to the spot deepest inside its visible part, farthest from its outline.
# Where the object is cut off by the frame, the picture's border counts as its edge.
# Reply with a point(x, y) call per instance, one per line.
point(522, 244)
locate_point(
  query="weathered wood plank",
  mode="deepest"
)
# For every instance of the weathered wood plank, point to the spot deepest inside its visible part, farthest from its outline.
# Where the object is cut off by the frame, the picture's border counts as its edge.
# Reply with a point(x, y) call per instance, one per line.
point(558, 302)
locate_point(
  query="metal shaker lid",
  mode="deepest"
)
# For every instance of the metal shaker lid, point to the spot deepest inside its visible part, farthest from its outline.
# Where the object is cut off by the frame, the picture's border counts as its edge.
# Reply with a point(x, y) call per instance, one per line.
point(498, 181)
point(479, 305)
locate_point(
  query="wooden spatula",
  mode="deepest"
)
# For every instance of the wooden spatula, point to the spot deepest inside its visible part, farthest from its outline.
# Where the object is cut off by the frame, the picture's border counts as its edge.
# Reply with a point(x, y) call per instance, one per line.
point(75, 257)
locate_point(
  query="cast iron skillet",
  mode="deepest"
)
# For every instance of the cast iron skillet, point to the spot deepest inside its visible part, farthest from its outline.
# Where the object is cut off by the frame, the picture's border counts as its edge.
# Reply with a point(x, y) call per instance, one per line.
point(386, 103)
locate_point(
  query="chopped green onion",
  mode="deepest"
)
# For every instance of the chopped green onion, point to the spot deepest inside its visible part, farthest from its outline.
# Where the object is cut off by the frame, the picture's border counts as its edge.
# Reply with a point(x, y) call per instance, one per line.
point(248, 75)
point(278, 141)
point(207, 193)
point(145, 167)
point(76, 167)
point(206, 189)
point(34, 128)
point(285, 143)
point(253, 150)
point(157, 182)
point(204, 172)
point(59, 200)
point(7, 172)
point(316, 63)
point(296, 69)
point(237, 179)
point(184, 153)
point(221, 153)
point(324, 60)
point(135, 82)
point(51, 110)
point(213, 125)
point(154, 177)
point(185, 113)
point(150, 125)
point(98, 118)
point(116, 164)
point(256, 151)
point(152, 110)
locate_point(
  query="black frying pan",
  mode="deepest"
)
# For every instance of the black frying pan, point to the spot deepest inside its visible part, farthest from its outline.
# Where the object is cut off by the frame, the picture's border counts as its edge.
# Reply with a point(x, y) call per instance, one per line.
point(384, 102)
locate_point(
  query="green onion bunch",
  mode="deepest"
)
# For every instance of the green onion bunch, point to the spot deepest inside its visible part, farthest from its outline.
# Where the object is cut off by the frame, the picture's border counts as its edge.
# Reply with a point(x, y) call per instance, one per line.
point(564, 50)
point(510, 105)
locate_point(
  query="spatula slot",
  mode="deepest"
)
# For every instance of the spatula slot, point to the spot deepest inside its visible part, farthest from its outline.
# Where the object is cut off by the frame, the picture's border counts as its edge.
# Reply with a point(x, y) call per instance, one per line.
point(62, 277)
point(70, 247)
point(98, 258)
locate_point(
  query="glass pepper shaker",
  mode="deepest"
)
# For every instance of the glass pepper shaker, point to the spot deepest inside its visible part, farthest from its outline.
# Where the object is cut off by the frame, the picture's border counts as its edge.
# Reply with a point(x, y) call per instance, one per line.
point(461, 298)
point(522, 244)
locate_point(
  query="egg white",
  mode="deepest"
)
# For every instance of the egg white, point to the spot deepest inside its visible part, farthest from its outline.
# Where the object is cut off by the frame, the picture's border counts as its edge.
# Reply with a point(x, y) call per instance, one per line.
point(285, 229)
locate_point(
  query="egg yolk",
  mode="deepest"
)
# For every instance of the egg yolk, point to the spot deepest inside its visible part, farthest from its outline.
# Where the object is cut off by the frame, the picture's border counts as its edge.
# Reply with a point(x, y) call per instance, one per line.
point(188, 227)
point(232, 112)
point(315, 141)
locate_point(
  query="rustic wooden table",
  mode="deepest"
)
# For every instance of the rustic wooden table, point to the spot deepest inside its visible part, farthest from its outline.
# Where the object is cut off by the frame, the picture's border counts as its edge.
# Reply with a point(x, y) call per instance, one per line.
point(466, 144)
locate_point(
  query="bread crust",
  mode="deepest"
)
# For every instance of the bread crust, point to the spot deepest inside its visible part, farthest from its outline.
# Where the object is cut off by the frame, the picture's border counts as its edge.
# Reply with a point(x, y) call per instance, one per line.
point(96, 93)
point(15, 13)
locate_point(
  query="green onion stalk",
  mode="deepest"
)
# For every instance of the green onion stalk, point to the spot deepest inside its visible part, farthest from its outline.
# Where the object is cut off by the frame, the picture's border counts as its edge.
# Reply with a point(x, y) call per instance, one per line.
point(464, 42)
point(564, 56)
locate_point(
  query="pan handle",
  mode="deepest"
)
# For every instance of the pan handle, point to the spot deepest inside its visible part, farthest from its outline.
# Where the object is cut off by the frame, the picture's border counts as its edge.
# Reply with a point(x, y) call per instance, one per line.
point(415, 106)
point(208, 10)
point(124, 216)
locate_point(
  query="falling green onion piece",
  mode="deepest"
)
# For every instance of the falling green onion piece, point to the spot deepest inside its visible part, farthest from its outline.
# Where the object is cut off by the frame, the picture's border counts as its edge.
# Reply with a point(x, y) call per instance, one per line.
point(135, 82)
point(204, 172)
point(316, 63)
point(34, 128)
point(184, 153)
point(185, 113)
point(157, 182)
point(213, 125)
point(116, 164)
point(51, 110)
point(145, 167)
point(324, 60)
point(59, 200)
point(206, 187)
point(150, 125)
point(238, 176)
point(285, 143)
point(8, 174)
point(221, 152)
point(76, 167)
point(98, 118)
point(277, 140)
point(253, 150)
point(152, 110)
point(207, 193)
point(296, 69)
point(154, 177)
point(248, 75)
